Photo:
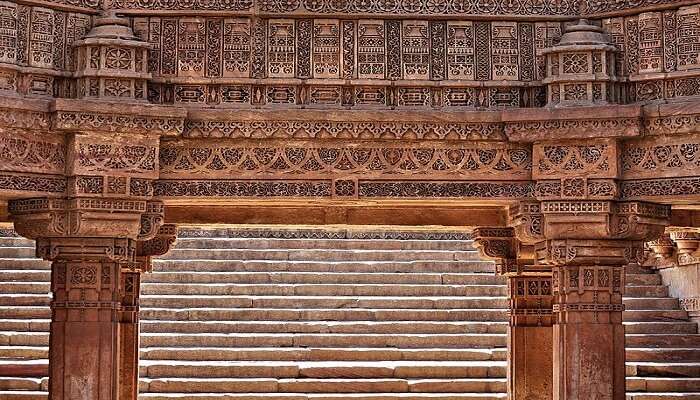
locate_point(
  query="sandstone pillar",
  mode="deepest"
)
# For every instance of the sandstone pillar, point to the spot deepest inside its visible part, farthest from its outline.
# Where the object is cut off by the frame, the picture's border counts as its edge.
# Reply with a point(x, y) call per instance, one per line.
point(129, 317)
point(93, 344)
point(530, 313)
point(588, 244)
point(530, 337)
point(84, 334)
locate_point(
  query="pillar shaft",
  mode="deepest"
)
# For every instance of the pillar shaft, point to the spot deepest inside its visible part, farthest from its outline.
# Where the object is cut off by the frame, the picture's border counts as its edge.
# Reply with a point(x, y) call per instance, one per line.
point(589, 337)
point(530, 338)
point(85, 330)
point(129, 335)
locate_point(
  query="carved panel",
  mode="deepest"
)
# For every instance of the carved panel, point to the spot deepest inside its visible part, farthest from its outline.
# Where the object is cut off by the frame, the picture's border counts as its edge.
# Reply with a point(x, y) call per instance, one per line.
point(651, 53)
point(345, 129)
point(415, 50)
point(504, 50)
point(326, 48)
point(191, 47)
point(304, 38)
point(41, 38)
point(349, 39)
point(371, 52)
point(688, 28)
point(460, 50)
point(589, 160)
point(8, 32)
point(672, 158)
point(281, 48)
point(236, 48)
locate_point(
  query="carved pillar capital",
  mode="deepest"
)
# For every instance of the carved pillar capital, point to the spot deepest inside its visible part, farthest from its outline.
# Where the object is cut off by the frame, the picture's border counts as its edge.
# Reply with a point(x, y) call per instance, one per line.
point(157, 245)
point(594, 219)
point(500, 245)
point(663, 247)
point(687, 241)
point(86, 217)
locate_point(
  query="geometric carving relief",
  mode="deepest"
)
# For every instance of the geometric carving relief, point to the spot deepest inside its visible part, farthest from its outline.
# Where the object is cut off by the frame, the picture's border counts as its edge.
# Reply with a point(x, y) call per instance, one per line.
point(688, 26)
point(31, 153)
point(595, 160)
point(417, 7)
point(671, 158)
point(296, 159)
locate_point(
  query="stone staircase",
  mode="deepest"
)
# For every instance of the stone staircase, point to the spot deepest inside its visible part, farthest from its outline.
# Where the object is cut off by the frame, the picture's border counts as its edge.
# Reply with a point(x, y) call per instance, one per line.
point(329, 318)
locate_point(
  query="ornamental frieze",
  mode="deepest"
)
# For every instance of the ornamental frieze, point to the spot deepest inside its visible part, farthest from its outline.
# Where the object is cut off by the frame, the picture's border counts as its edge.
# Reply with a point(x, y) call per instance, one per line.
point(21, 152)
point(313, 159)
point(366, 129)
point(343, 188)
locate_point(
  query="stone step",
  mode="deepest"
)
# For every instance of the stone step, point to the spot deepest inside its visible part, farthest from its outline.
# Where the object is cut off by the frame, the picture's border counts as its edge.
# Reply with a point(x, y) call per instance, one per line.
point(663, 340)
point(651, 303)
point(648, 384)
point(479, 340)
point(24, 352)
point(272, 314)
point(24, 263)
point(23, 395)
point(24, 368)
point(303, 277)
point(320, 255)
point(24, 276)
point(665, 369)
point(678, 327)
point(16, 242)
point(405, 327)
point(335, 385)
point(280, 289)
point(331, 244)
point(24, 325)
point(643, 279)
point(10, 312)
point(401, 369)
point(305, 302)
point(320, 354)
point(318, 266)
point(646, 291)
point(656, 315)
point(663, 354)
point(23, 299)
point(17, 252)
point(321, 396)
point(32, 384)
point(8, 338)
point(25, 287)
